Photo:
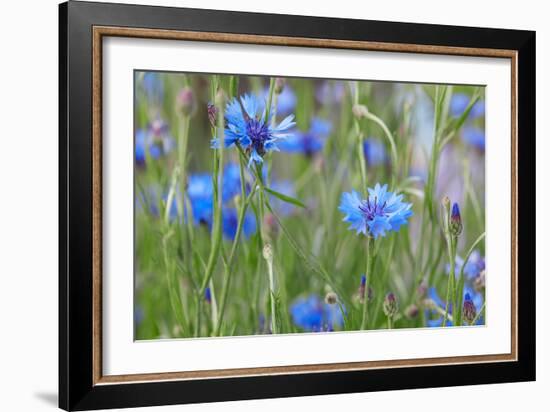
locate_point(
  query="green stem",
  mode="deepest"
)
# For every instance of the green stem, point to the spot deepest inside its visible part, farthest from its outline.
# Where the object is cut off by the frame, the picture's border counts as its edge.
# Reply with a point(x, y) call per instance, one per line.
point(268, 256)
point(217, 214)
point(229, 265)
point(460, 294)
point(451, 250)
point(474, 321)
point(213, 304)
point(372, 117)
point(182, 160)
point(175, 299)
point(367, 282)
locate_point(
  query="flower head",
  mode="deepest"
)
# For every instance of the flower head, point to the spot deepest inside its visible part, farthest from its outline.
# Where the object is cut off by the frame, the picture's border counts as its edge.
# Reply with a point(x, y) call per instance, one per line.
point(459, 103)
point(375, 152)
point(248, 126)
point(230, 220)
point(208, 295)
point(474, 136)
point(313, 315)
point(155, 141)
point(200, 191)
point(382, 211)
point(310, 142)
point(474, 266)
point(286, 99)
point(437, 302)
point(153, 86)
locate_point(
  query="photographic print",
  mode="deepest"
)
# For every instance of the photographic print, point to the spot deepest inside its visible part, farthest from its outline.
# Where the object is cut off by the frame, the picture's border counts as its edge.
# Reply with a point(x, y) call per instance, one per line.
point(238, 198)
point(278, 205)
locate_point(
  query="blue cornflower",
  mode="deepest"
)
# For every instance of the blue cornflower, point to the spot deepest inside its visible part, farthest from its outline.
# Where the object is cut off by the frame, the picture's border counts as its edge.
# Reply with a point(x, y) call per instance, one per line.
point(330, 92)
point(153, 87)
point(141, 149)
point(230, 220)
point(314, 315)
point(309, 142)
point(155, 140)
point(432, 322)
point(201, 195)
point(437, 321)
point(208, 295)
point(459, 103)
point(139, 315)
point(375, 151)
point(286, 100)
point(474, 266)
point(382, 211)
point(248, 126)
point(231, 182)
point(474, 136)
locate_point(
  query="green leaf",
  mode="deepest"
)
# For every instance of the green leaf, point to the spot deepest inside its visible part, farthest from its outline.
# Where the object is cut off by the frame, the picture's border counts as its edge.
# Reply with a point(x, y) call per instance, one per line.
point(284, 198)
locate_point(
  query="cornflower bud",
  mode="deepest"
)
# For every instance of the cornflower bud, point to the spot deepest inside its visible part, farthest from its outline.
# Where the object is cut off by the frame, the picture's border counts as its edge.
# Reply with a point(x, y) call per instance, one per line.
point(411, 311)
point(455, 224)
point(279, 85)
point(390, 305)
point(185, 102)
point(212, 114)
point(468, 309)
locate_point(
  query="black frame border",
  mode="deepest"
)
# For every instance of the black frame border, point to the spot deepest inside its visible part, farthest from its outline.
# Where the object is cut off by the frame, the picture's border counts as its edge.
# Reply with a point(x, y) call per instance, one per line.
point(76, 388)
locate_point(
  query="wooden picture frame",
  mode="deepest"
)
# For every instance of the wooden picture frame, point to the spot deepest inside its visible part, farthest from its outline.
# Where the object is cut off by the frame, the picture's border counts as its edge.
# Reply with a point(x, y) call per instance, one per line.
point(83, 26)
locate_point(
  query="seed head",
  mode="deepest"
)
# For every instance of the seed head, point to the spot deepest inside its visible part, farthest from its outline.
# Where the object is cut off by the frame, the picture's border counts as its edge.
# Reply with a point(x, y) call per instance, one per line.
point(360, 111)
point(331, 298)
point(267, 252)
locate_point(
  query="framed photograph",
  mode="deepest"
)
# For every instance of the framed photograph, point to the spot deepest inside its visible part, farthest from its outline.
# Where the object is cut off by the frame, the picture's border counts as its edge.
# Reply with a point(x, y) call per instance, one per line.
point(257, 205)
